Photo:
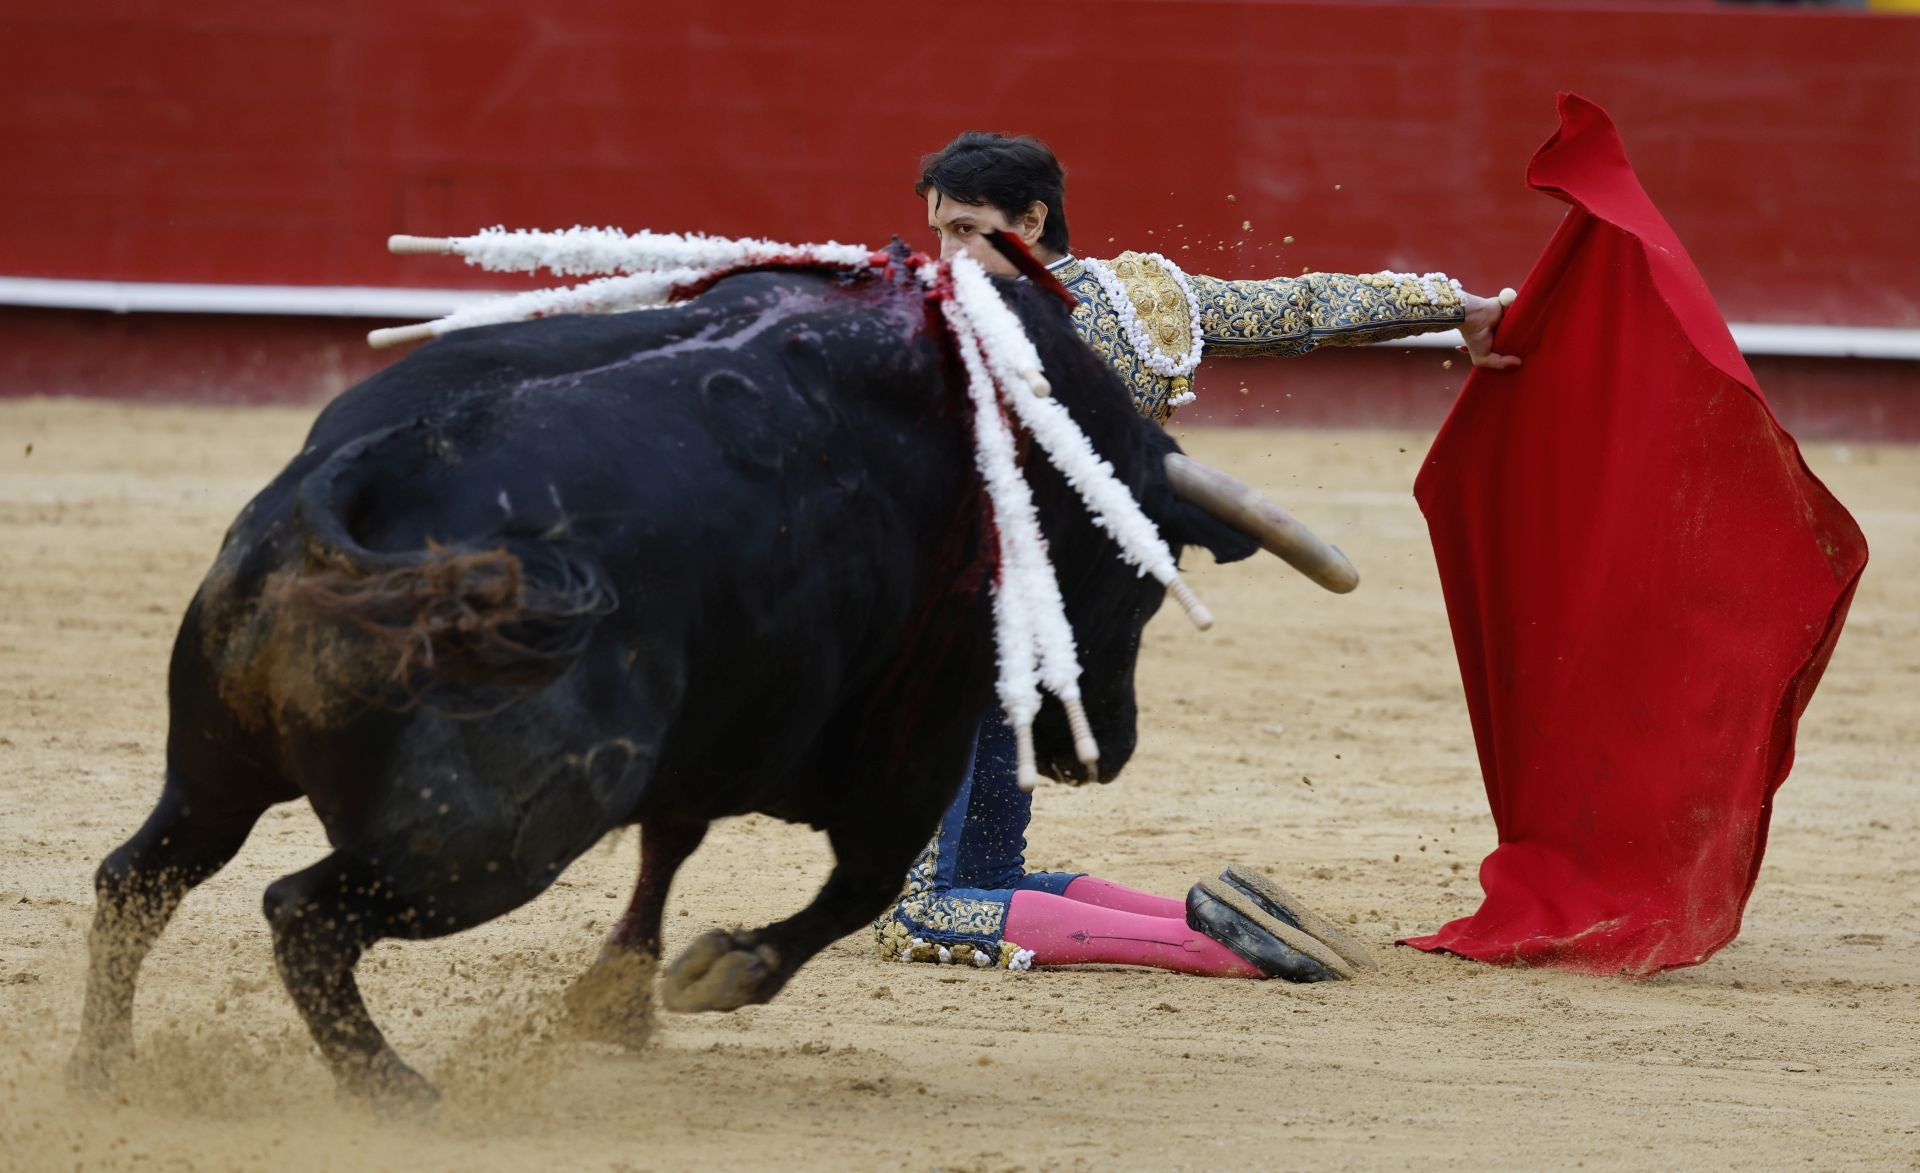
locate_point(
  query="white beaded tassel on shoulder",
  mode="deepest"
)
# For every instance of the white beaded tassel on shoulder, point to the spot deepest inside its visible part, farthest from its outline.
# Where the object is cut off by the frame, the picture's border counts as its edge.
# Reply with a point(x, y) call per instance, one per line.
point(1157, 360)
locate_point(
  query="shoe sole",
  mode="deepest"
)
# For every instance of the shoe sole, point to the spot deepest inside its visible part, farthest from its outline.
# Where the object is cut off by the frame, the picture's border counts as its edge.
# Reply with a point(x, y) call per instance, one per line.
point(1294, 939)
point(1284, 904)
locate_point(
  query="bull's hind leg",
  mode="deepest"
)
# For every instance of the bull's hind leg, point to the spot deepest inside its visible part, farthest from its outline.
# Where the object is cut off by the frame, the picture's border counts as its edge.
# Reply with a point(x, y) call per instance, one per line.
point(613, 1001)
point(186, 839)
point(429, 862)
point(323, 920)
point(326, 917)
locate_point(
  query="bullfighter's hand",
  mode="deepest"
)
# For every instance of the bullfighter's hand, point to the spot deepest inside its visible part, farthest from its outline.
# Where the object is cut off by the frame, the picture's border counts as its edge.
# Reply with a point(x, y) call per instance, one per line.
point(1483, 314)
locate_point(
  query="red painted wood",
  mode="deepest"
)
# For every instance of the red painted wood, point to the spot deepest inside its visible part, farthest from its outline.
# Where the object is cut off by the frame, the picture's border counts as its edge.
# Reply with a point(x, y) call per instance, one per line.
point(223, 141)
point(183, 358)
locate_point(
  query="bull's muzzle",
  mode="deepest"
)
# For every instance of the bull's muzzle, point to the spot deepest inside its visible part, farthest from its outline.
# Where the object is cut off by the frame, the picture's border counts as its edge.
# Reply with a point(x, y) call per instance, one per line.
point(1243, 507)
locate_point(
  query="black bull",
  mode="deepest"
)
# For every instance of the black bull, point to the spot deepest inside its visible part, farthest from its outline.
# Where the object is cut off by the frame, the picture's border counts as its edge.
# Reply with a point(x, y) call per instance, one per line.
point(543, 580)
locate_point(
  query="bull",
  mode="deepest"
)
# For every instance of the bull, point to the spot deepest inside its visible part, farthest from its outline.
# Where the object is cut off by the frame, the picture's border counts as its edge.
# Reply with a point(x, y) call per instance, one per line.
point(540, 581)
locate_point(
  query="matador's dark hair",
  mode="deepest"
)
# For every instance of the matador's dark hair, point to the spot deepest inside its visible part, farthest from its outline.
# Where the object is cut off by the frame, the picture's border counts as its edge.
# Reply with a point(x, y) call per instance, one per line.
point(1009, 173)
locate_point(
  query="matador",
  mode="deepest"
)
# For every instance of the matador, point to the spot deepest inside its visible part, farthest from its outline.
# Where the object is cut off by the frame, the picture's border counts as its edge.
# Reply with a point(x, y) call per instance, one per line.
point(969, 898)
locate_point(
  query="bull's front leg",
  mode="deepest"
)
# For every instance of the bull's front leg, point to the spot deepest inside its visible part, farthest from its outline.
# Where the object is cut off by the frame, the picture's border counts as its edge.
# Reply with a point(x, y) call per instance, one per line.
point(725, 970)
point(613, 1001)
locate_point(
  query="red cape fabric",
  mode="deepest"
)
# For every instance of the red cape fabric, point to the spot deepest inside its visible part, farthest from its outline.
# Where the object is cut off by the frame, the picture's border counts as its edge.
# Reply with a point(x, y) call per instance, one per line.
point(1644, 582)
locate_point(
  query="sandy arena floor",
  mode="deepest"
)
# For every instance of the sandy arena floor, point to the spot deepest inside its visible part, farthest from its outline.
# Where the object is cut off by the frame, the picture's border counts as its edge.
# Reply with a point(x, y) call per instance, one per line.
point(1797, 1047)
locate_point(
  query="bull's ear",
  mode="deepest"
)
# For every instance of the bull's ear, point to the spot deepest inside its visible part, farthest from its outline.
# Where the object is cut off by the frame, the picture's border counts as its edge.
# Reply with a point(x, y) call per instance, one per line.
point(1182, 524)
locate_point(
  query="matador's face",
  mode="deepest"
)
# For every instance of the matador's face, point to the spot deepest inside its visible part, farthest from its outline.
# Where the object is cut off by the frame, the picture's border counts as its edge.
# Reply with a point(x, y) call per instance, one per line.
point(963, 228)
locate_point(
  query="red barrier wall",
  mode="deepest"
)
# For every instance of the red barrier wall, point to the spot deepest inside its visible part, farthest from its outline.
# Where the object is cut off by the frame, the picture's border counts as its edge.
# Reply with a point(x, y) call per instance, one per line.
point(228, 141)
point(224, 358)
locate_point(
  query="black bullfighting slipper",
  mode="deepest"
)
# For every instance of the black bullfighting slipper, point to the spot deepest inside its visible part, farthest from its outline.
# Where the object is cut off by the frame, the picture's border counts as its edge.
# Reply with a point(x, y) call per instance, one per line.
point(1270, 945)
point(1277, 902)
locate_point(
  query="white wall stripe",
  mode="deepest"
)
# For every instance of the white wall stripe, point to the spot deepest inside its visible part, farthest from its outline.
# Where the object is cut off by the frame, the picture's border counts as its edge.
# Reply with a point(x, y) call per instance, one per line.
point(1770, 338)
point(143, 297)
point(366, 301)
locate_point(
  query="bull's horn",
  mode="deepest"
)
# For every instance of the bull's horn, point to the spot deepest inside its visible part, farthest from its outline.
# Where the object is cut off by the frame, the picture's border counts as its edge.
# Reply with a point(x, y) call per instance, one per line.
point(1242, 506)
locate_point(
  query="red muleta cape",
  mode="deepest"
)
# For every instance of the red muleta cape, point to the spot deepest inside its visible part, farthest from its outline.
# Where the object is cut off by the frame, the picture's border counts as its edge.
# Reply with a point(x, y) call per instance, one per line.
point(1644, 582)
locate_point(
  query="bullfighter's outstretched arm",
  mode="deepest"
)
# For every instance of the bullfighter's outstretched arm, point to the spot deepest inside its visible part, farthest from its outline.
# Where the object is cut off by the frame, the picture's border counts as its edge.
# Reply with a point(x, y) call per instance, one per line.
point(1292, 315)
point(1135, 313)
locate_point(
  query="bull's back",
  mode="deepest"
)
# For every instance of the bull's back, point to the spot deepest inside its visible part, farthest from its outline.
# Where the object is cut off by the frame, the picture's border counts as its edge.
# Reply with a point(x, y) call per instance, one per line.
point(762, 478)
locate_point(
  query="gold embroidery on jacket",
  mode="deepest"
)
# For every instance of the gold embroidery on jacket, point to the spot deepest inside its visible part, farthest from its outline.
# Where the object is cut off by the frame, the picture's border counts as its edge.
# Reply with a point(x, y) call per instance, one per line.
point(1292, 315)
point(925, 920)
point(1278, 315)
point(1157, 299)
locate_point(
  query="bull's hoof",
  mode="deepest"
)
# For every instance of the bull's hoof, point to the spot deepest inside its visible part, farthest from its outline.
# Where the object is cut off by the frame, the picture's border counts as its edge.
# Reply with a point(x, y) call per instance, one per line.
point(613, 1001)
point(383, 1082)
point(720, 972)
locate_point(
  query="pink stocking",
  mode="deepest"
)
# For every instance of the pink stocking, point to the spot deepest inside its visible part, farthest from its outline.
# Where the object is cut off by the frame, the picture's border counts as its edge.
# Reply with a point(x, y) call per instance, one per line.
point(1107, 894)
point(1068, 932)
